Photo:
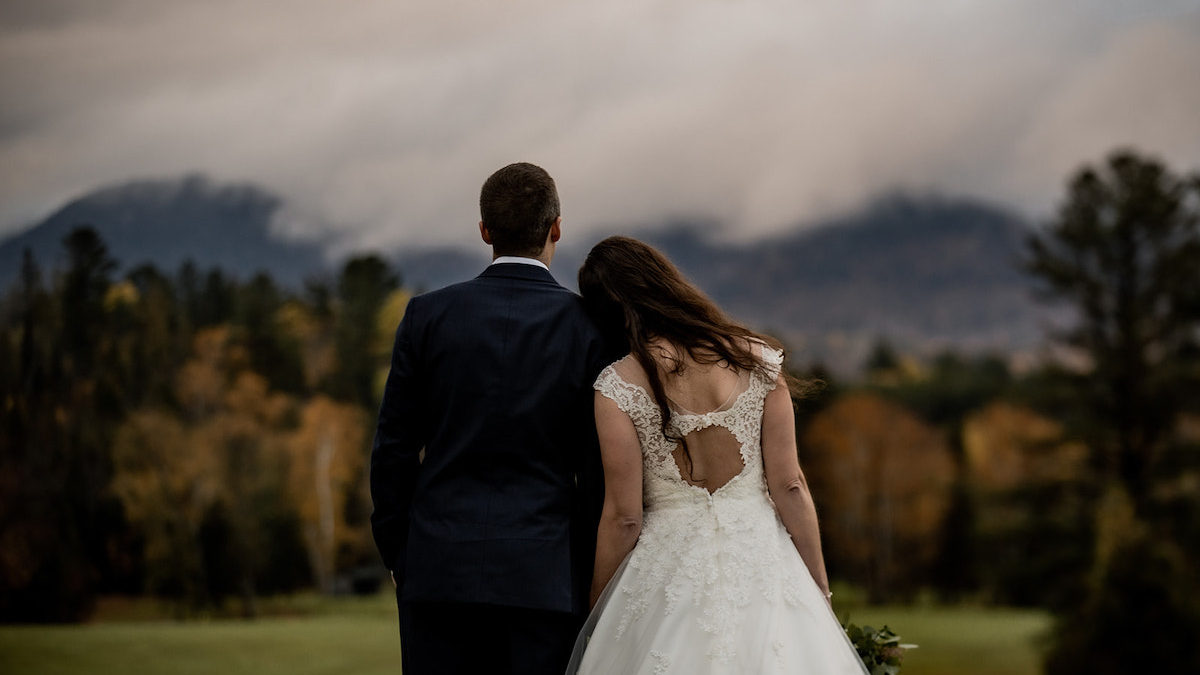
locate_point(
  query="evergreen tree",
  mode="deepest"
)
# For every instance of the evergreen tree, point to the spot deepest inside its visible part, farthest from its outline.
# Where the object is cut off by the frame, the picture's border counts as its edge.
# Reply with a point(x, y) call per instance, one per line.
point(84, 286)
point(362, 288)
point(273, 353)
point(1124, 254)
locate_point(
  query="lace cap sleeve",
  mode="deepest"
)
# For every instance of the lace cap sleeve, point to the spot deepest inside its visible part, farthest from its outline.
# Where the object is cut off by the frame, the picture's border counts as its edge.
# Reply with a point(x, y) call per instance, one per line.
point(773, 364)
point(610, 383)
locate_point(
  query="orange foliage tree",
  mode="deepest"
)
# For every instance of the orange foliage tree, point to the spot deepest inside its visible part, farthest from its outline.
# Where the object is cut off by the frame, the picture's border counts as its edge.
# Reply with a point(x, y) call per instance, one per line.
point(1028, 485)
point(882, 479)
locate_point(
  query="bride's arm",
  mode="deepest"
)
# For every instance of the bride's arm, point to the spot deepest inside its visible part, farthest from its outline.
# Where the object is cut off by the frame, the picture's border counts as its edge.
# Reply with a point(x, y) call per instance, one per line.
point(786, 481)
point(621, 519)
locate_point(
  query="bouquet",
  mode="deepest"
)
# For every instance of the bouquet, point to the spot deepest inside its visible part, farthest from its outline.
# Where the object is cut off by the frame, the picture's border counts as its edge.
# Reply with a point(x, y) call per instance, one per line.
point(880, 650)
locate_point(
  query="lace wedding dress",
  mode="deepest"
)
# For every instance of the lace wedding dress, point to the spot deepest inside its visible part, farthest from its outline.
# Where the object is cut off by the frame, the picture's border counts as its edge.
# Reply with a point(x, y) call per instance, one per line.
point(714, 584)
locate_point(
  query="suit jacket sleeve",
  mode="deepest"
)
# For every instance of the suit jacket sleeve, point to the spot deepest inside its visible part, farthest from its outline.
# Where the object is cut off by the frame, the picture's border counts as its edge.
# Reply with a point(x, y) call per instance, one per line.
point(395, 456)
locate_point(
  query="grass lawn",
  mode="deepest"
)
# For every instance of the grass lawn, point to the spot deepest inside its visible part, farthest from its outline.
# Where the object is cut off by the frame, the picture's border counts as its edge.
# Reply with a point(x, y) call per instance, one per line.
point(358, 636)
point(321, 637)
point(955, 641)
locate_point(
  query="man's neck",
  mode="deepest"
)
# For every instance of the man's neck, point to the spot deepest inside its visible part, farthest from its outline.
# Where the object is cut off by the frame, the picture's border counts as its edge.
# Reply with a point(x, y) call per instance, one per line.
point(521, 260)
point(544, 257)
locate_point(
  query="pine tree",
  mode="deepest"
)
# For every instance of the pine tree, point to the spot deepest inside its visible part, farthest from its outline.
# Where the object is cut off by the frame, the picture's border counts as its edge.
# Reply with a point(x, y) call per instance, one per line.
point(1124, 254)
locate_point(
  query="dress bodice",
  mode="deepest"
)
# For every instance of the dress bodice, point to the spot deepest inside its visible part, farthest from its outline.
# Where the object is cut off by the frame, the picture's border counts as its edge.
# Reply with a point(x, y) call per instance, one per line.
point(662, 483)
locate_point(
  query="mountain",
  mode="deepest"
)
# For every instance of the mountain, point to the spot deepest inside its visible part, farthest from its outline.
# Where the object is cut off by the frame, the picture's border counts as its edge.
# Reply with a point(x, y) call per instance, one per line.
point(920, 271)
point(925, 272)
point(169, 221)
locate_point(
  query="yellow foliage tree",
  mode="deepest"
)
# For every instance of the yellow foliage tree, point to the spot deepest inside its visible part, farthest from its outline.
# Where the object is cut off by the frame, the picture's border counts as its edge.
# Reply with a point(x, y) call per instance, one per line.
point(226, 460)
point(326, 463)
point(166, 484)
point(315, 338)
point(1007, 446)
point(1030, 525)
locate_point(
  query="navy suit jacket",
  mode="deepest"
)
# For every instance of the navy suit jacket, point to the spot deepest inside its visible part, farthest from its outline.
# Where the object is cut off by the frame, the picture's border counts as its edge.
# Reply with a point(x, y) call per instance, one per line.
point(492, 379)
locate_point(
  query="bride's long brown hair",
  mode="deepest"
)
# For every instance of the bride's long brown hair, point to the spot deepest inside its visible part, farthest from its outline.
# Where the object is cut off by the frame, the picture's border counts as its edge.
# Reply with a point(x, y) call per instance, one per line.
point(634, 291)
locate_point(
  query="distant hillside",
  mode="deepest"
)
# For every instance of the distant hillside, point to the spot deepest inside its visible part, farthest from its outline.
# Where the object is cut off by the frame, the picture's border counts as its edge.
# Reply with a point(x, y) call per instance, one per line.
point(917, 270)
point(925, 272)
point(169, 221)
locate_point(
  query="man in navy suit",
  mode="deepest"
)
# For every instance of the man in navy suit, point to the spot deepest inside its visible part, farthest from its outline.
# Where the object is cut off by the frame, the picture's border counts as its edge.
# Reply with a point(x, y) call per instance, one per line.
point(485, 471)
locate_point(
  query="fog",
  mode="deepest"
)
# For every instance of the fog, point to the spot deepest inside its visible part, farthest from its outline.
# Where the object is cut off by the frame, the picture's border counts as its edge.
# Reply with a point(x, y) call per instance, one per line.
point(381, 119)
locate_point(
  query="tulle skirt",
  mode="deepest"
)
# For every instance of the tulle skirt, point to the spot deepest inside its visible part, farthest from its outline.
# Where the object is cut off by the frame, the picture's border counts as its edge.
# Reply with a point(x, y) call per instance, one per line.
point(784, 625)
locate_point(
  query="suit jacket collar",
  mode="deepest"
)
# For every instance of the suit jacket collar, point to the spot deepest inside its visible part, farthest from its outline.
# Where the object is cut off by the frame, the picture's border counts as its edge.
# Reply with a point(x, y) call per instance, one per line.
point(518, 271)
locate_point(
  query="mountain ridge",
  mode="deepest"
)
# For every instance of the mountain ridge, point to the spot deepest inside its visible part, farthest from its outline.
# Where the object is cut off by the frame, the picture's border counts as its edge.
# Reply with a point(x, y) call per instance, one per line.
point(168, 221)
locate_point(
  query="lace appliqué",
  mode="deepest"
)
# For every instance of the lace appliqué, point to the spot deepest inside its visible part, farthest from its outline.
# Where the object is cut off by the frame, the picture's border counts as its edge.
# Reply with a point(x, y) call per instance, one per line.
point(662, 662)
point(718, 551)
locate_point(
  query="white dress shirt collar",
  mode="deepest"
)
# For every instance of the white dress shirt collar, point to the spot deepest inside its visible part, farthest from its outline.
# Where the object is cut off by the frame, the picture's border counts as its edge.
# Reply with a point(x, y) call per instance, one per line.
point(520, 259)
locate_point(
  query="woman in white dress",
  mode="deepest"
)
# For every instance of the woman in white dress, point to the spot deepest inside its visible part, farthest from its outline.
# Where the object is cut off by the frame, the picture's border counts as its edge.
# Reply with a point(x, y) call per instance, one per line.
point(708, 556)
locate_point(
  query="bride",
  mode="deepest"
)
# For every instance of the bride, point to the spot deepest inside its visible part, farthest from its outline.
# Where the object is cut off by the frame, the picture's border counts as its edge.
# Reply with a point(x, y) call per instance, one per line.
point(708, 557)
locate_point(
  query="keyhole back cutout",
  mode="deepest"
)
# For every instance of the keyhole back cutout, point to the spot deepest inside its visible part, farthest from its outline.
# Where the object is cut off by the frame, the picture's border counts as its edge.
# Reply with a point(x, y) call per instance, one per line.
point(716, 458)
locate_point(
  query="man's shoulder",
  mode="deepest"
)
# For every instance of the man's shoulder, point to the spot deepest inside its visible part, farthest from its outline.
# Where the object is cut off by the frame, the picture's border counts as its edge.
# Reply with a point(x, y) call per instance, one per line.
point(484, 284)
point(471, 294)
point(445, 294)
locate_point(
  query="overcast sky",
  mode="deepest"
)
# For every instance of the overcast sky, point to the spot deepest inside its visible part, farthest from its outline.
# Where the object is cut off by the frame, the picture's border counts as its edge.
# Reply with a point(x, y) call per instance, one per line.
point(384, 117)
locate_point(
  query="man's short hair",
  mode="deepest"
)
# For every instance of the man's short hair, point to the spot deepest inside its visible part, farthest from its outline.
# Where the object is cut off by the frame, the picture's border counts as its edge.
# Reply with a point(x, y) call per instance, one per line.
point(518, 204)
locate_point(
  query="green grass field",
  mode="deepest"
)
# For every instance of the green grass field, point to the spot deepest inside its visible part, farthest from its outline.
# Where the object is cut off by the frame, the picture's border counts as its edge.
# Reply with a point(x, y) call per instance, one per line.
point(956, 641)
point(358, 636)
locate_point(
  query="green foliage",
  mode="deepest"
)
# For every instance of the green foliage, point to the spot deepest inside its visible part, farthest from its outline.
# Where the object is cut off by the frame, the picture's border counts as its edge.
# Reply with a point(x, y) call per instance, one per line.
point(273, 353)
point(1143, 614)
point(362, 288)
point(954, 386)
point(882, 358)
point(57, 517)
point(1124, 253)
point(1041, 554)
point(880, 650)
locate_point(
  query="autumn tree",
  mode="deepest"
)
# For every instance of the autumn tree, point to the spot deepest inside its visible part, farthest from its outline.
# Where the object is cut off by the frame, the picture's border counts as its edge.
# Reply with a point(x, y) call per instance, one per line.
point(165, 482)
point(943, 393)
point(882, 480)
point(1029, 488)
point(207, 489)
point(325, 469)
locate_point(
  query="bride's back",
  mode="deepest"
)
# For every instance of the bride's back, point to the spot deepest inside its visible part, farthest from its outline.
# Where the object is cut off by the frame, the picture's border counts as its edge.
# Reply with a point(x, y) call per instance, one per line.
point(697, 393)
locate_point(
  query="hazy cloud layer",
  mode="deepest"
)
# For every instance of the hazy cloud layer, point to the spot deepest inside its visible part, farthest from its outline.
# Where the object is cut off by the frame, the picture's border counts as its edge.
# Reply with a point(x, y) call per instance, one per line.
point(384, 117)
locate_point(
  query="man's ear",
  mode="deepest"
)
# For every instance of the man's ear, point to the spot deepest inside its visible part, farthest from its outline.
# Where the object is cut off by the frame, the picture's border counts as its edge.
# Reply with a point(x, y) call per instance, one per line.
point(484, 234)
point(555, 230)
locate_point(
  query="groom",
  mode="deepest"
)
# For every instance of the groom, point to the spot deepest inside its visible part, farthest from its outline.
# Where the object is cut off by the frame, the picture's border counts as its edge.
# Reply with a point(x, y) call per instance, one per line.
point(485, 471)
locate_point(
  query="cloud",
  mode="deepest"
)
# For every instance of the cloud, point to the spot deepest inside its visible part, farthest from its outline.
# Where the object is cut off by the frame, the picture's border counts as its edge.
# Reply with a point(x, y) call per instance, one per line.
point(384, 118)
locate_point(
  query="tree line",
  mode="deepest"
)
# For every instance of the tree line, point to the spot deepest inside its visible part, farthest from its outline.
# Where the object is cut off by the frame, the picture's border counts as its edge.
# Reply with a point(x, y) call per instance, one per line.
point(189, 436)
